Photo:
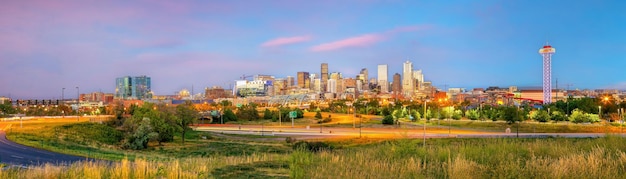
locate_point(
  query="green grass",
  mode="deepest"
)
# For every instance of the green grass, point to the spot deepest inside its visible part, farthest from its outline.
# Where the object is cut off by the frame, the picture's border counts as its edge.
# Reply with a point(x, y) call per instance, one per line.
point(469, 158)
point(241, 156)
point(94, 141)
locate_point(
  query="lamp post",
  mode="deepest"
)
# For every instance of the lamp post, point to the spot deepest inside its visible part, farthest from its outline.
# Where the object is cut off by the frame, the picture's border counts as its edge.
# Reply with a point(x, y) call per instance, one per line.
point(62, 102)
point(600, 112)
point(425, 101)
point(77, 104)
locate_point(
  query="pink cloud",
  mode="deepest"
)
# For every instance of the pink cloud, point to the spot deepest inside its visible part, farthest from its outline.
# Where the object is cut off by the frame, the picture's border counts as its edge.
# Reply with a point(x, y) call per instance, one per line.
point(358, 41)
point(285, 41)
point(365, 40)
point(150, 43)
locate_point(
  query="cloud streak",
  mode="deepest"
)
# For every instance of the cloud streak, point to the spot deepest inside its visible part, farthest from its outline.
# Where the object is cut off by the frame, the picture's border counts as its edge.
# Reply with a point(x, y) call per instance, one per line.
point(358, 41)
point(364, 40)
point(286, 41)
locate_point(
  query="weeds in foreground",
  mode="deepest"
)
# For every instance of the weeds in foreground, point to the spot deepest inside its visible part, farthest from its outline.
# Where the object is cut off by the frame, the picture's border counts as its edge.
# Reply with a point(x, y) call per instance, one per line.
point(208, 167)
point(469, 158)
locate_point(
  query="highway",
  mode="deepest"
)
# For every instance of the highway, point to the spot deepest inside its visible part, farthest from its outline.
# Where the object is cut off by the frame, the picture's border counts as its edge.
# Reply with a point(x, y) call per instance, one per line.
point(19, 155)
point(313, 132)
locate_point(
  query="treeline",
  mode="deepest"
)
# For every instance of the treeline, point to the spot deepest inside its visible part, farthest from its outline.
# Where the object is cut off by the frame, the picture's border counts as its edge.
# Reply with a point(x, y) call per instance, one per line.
point(150, 122)
point(250, 112)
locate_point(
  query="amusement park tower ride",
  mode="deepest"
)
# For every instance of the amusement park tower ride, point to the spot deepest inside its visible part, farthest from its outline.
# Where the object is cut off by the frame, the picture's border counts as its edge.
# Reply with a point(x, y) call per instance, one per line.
point(547, 52)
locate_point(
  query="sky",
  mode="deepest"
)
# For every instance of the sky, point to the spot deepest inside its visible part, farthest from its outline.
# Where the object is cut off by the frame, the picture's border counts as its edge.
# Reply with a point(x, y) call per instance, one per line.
point(48, 45)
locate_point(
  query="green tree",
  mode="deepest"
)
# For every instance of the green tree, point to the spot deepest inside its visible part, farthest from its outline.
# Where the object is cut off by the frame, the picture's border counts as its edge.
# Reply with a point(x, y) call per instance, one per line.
point(186, 115)
point(539, 115)
point(416, 115)
point(398, 114)
point(267, 114)
point(318, 115)
point(558, 116)
point(511, 115)
point(457, 114)
point(139, 138)
point(429, 115)
point(387, 120)
point(228, 115)
point(472, 114)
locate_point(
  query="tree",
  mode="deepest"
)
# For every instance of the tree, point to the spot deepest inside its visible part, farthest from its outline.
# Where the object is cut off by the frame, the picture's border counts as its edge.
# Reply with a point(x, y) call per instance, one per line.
point(398, 114)
point(267, 114)
point(318, 115)
point(511, 115)
point(472, 114)
point(387, 120)
point(186, 115)
point(558, 116)
point(457, 114)
point(416, 115)
point(229, 115)
point(428, 115)
point(139, 138)
point(539, 115)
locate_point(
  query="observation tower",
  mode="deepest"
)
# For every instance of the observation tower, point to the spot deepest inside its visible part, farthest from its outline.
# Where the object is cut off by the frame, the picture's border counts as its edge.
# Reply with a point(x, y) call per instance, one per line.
point(547, 52)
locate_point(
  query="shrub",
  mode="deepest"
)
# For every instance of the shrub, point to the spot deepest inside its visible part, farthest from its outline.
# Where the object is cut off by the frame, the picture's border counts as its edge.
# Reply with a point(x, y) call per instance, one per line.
point(312, 146)
point(388, 120)
point(472, 114)
point(318, 115)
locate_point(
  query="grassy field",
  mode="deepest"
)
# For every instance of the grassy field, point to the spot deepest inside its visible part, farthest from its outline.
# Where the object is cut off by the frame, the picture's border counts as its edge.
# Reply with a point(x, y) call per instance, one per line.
point(468, 158)
point(211, 155)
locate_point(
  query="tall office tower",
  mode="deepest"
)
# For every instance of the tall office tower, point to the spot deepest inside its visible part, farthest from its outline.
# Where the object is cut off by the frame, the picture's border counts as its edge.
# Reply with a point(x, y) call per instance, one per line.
point(324, 76)
point(418, 77)
point(407, 82)
point(312, 78)
point(291, 81)
point(332, 86)
point(363, 76)
point(547, 51)
point(303, 80)
point(138, 87)
point(317, 85)
point(383, 81)
point(396, 86)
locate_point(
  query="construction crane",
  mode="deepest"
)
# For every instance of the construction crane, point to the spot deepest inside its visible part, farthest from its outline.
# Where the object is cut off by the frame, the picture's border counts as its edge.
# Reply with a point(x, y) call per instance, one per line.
point(243, 77)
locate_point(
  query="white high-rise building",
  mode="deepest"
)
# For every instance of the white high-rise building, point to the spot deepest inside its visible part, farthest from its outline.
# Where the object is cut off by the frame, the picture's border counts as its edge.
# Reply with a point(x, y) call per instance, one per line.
point(418, 77)
point(332, 86)
point(383, 80)
point(408, 82)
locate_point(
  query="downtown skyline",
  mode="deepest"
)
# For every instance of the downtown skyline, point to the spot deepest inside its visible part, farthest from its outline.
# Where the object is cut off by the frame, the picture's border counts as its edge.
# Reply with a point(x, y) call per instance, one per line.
point(49, 45)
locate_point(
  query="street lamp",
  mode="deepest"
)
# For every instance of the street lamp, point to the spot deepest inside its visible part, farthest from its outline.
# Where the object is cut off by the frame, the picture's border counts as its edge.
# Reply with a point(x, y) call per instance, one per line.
point(425, 101)
point(77, 103)
point(600, 112)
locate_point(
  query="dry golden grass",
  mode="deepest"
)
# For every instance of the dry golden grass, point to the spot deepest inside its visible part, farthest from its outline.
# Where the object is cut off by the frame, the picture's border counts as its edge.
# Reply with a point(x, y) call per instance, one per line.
point(181, 168)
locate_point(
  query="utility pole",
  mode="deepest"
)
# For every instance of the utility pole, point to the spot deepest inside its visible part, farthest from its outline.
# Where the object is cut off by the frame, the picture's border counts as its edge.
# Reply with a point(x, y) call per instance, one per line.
point(567, 102)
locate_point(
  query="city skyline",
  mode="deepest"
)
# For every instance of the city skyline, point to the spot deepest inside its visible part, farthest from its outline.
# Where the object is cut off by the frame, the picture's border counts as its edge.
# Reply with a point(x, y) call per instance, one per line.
point(49, 45)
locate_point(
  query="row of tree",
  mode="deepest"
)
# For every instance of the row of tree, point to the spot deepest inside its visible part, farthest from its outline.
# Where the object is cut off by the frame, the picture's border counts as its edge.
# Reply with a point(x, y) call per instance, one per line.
point(151, 122)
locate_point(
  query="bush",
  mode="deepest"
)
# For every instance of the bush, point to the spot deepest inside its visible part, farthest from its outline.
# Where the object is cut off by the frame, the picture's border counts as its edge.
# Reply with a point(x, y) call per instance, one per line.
point(472, 114)
point(325, 120)
point(318, 115)
point(388, 120)
point(312, 146)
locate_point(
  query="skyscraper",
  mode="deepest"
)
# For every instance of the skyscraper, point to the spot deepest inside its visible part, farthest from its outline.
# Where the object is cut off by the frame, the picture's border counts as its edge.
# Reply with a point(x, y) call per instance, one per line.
point(396, 86)
point(363, 76)
point(418, 78)
point(324, 76)
point(407, 82)
point(383, 81)
point(291, 81)
point(303, 80)
point(133, 87)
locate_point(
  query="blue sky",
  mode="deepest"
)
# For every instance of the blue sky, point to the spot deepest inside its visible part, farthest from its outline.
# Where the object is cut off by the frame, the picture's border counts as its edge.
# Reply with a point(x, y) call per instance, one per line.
point(49, 45)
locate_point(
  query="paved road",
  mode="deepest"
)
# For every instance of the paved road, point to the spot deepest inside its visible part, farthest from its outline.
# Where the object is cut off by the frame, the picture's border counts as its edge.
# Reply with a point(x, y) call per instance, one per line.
point(16, 154)
point(313, 132)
